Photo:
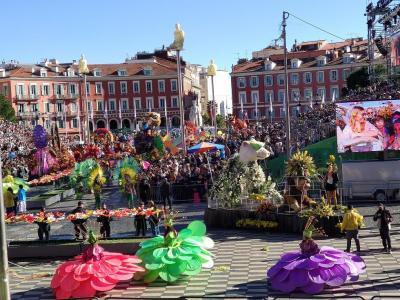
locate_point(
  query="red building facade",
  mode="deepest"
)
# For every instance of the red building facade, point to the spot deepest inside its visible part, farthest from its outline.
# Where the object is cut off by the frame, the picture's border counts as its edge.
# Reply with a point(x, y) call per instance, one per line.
point(317, 72)
point(119, 95)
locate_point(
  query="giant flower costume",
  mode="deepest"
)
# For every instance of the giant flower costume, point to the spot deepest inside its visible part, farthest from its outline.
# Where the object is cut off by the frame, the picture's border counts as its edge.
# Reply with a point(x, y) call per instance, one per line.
point(126, 172)
point(177, 254)
point(88, 173)
point(42, 159)
point(14, 183)
point(312, 268)
point(92, 271)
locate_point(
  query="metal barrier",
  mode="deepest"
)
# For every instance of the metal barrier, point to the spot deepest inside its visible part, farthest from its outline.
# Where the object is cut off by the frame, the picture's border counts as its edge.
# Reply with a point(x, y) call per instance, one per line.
point(386, 297)
point(188, 298)
point(181, 193)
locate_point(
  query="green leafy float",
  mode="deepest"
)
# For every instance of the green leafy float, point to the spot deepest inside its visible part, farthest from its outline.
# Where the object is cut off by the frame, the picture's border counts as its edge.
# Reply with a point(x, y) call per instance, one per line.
point(175, 255)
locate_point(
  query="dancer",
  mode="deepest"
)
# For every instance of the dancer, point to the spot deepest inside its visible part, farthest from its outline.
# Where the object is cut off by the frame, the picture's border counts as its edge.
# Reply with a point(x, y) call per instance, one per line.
point(313, 268)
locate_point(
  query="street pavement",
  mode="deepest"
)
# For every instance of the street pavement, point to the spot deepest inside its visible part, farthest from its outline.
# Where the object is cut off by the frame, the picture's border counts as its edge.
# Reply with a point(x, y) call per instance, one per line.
point(241, 261)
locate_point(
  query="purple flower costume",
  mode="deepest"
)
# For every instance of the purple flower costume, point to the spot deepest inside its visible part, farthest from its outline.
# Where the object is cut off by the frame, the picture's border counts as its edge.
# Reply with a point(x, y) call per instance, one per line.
point(312, 268)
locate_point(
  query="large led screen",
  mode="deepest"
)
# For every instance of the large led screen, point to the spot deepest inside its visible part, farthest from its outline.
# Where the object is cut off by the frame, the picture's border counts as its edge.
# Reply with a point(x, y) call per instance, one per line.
point(368, 126)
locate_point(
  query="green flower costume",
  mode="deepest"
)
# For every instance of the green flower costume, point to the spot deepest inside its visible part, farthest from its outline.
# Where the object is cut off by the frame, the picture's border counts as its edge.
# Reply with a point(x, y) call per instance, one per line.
point(175, 255)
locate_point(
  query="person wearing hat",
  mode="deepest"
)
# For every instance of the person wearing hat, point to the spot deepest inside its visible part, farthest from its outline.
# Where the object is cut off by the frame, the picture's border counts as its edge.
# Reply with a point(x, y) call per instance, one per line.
point(384, 220)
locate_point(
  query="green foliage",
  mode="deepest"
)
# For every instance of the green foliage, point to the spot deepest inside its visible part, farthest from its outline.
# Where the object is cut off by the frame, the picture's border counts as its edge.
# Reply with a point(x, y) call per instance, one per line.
point(206, 119)
point(301, 164)
point(358, 79)
point(221, 122)
point(7, 112)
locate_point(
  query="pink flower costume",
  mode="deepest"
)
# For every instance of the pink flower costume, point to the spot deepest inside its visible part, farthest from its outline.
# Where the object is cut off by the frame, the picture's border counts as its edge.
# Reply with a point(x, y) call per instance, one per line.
point(94, 270)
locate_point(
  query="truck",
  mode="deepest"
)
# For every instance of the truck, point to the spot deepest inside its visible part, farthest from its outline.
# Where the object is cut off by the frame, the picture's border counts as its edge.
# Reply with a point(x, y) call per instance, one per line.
point(377, 179)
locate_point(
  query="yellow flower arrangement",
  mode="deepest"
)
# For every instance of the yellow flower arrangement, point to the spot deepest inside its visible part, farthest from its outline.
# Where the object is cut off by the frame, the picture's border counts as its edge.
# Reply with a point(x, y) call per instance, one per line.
point(257, 197)
point(256, 224)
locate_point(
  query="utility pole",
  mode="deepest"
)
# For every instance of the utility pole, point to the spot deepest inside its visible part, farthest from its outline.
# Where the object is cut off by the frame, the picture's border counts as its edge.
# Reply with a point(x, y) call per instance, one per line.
point(285, 16)
point(4, 283)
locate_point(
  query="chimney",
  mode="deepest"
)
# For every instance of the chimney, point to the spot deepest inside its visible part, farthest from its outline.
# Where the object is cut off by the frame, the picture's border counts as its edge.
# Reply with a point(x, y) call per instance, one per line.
point(56, 69)
point(74, 62)
point(2, 73)
point(33, 70)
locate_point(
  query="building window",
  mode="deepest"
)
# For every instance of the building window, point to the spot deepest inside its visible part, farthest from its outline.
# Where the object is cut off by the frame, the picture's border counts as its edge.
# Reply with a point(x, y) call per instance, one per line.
point(254, 81)
point(307, 77)
point(59, 89)
point(294, 78)
point(61, 123)
point(33, 91)
point(47, 107)
point(161, 86)
point(295, 95)
point(136, 87)
point(346, 73)
point(72, 89)
point(34, 107)
point(281, 95)
point(334, 93)
point(20, 89)
point(111, 88)
point(269, 81)
point(241, 82)
point(334, 75)
point(70, 72)
point(73, 107)
point(98, 89)
point(321, 92)
point(282, 112)
point(88, 88)
point(125, 104)
point(111, 104)
point(242, 98)
point(89, 106)
point(138, 103)
point(308, 94)
point(21, 108)
point(149, 86)
point(100, 105)
point(124, 88)
point(147, 71)
point(75, 123)
point(60, 107)
point(321, 62)
point(281, 79)
point(162, 102)
point(269, 96)
point(320, 76)
point(347, 59)
point(174, 85)
point(43, 73)
point(97, 73)
point(122, 73)
point(45, 90)
point(175, 102)
point(254, 96)
point(5, 90)
point(149, 103)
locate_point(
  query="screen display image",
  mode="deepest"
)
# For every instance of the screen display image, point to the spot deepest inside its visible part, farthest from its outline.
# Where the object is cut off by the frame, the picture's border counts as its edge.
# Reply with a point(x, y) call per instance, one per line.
point(368, 126)
point(395, 49)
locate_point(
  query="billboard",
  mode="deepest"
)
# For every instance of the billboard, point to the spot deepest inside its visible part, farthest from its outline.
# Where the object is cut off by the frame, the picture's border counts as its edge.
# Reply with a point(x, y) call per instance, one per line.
point(395, 49)
point(368, 126)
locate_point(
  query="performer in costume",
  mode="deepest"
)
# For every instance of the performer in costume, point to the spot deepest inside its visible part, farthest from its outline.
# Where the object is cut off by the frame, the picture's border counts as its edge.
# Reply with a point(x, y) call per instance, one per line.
point(312, 268)
point(92, 271)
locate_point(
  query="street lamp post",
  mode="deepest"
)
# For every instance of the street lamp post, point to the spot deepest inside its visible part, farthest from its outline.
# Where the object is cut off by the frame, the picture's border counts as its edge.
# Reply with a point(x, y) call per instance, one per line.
point(285, 16)
point(4, 283)
point(177, 45)
point(83, 69)
point(212, 71)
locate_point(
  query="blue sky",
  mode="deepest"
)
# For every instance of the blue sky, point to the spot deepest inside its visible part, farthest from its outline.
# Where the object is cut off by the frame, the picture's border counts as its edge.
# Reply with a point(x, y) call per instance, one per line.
point(107, 31)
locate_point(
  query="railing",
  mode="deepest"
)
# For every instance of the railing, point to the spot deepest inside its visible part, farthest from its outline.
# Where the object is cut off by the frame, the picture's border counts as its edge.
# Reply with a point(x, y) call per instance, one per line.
point(310, 297)
point(180, 193)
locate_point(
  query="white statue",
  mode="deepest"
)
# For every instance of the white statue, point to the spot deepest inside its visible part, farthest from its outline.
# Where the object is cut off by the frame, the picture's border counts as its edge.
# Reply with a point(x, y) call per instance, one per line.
point(194, 113)
point(179, 38)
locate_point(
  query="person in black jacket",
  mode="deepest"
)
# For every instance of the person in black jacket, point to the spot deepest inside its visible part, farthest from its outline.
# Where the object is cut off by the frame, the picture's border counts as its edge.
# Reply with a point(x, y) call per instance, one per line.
point(44, 226)
point(79, 224)
point(331, 181)
point(165, 191)
point(105, 219)
point(144, 190)
point(384, 218)
point(140, 220)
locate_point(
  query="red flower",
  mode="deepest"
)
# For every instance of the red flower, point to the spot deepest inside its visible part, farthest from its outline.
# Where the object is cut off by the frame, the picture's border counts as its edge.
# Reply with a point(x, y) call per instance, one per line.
point(94, 270)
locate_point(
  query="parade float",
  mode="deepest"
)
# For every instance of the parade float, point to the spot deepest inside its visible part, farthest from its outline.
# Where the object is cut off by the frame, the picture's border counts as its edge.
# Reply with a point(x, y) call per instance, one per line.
point(251, 200)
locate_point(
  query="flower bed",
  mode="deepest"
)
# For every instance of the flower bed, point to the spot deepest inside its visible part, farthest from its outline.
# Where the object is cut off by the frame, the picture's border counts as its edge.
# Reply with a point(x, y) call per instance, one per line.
point(257, 224)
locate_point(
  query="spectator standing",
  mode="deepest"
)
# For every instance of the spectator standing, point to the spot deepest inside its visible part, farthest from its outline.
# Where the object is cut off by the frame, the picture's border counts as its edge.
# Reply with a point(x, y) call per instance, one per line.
point(384, 220)
point(165, 191)
point(79, 223)
point(9, 201)
point(352, 222)
point(21, 200)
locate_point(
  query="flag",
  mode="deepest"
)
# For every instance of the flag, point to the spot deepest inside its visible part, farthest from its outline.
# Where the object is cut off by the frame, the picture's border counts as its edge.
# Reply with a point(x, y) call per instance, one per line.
point(120, 110)
point(271, 109)
point(323, 99)
point(334, 96)
point(311, 102)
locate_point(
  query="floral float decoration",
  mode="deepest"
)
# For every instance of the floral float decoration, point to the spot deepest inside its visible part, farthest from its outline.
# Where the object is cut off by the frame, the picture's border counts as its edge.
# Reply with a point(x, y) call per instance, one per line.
point(177, 254)
point(14, 183)
point(42, 160)
point(256, 224)
point(312, 268)
point(95, 270)
point(103, 136)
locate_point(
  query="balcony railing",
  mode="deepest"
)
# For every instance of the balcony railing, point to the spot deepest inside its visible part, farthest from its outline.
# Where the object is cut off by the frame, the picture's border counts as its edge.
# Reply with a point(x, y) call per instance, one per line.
point(28, 114)
point(66, 96)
